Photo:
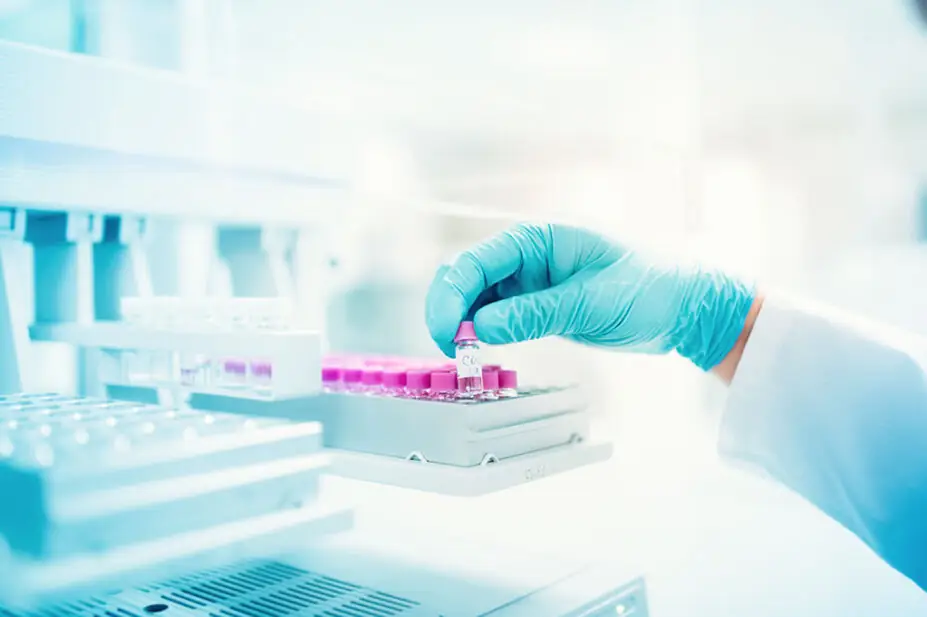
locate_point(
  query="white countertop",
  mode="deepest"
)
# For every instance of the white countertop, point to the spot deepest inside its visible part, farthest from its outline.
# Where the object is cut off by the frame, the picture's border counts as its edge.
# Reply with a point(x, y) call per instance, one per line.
point(712, 540)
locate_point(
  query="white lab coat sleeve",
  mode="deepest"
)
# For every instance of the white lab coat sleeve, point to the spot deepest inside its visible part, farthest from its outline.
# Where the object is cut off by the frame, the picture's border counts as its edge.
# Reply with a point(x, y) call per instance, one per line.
point(836, 409)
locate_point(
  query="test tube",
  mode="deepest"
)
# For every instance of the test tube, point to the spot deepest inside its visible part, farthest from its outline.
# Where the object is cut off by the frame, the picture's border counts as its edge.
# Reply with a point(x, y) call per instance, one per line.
point(508, 384)
point(394, 382)
point(351, 379)
point(262, 373)
point(418, 384)
point(331, 377)
point(469, 370)
point(234, 373)
point(490, 384)
point(372, 381)
point(444, 386)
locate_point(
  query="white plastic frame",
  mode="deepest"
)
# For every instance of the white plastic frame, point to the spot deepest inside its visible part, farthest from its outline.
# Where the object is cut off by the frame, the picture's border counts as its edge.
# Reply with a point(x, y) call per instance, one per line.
point(296, 356)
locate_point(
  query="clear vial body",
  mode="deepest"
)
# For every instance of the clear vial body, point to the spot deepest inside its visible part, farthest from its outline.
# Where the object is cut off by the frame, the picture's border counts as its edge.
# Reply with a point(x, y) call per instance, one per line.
point(469, 369)
point(490, 384)
point(508, 384)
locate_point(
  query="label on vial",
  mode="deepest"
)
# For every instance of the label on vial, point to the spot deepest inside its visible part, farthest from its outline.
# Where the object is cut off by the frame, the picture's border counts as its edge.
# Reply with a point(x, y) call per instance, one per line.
point(468, 364)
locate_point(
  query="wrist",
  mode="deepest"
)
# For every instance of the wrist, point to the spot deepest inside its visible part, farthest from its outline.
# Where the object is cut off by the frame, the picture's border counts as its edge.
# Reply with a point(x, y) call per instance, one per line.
point(727, 368)
point(713, 317)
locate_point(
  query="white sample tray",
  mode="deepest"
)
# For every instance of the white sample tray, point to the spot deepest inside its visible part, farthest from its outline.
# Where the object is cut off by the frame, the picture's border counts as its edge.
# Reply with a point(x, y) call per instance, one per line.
point(452, 433)
point(468, 481)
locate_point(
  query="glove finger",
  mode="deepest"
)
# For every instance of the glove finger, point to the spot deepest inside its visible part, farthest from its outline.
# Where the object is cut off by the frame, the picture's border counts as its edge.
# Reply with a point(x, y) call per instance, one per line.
point(444, 310)
point(457, 290)
point(529, 316)
point(479, 268)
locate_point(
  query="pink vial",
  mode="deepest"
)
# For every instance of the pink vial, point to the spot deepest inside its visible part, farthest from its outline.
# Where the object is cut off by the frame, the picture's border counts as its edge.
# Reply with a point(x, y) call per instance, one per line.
point(394, 382)
point(234, 372)
point(469, 369)
point(490, 384)
point(372, 381)
point(508, 384)
point(331, 377)
point(418, 384)
point(351, 379)
point(262, 373)
point(444, 386)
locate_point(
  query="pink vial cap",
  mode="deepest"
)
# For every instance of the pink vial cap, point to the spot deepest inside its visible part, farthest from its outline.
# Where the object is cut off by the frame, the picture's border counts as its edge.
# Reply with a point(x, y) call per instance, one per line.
point(490, 380)
point(418, 380)
point(330, 374)
point(352, 375)
point(442, 382)
point(372, 378)
point(465, 332)
point(235, 366)
point(508, 379)
point(492, 367)
point(394, 379)
point(264, 369)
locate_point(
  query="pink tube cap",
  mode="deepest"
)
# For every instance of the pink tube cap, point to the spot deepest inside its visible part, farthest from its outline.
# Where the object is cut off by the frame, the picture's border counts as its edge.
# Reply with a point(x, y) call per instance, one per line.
point(330, 374)
point(238, 367)
point(262, 369)
point(372, 378)
point(352, 375)
point(508, 379)
point(418, 380)
point(490, 379)
point(394, 379)
point(465, 332)
point(443, 382)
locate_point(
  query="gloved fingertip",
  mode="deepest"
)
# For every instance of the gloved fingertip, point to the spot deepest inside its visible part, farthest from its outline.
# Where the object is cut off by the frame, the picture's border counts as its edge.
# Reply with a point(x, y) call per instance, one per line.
point(491, 325)
point(448, 349)
point(444, 310)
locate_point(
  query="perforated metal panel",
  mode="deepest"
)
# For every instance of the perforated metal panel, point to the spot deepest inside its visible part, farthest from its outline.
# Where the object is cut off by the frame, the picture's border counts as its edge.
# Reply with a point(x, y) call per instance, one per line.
point(273, 589)
point(93, 607)
point(256, 589)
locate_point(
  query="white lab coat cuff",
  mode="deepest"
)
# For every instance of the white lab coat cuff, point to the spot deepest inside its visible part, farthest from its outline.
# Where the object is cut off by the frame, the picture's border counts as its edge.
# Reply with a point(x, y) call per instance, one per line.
point(741, 433)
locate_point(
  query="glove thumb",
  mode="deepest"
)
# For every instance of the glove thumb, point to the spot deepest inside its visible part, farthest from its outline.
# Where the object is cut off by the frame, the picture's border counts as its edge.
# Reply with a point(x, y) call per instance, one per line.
point(529, 316)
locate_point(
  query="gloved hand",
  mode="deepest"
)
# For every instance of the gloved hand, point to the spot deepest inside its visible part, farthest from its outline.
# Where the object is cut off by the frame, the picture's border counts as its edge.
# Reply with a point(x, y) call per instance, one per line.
point(534, 281)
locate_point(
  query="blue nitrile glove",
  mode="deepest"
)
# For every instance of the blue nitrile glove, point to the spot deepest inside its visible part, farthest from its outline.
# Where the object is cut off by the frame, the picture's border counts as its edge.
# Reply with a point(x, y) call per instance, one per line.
point(534, 281)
